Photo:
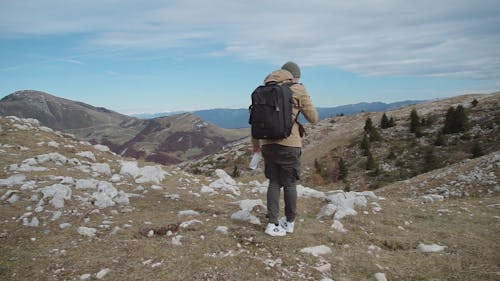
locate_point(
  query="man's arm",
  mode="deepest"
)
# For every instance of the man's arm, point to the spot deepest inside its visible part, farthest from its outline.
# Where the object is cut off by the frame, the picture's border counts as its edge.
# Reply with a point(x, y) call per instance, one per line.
point(305, 104)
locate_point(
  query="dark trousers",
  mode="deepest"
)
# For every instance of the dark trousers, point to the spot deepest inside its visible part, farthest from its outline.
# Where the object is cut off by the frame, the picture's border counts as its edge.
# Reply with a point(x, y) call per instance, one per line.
point(282, 168)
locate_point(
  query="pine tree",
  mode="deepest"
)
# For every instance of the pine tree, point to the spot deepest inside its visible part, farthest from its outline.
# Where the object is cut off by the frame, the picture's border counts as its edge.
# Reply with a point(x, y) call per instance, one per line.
point(375, 135)
point(368, 125)
point(384, 122)
point(414, 121)
point(461, 118)
point(342, 169)
point(392, 122)
point(455, 121)
point(371, 130)
point(371, 164)
point(365, 145)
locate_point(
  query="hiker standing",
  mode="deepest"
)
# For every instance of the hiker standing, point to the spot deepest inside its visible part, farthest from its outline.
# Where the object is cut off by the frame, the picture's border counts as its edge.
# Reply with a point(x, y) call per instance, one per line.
point(282, 156)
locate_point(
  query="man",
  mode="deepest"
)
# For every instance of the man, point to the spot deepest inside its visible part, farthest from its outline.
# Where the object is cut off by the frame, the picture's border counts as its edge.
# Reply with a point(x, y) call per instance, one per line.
point(282, 156)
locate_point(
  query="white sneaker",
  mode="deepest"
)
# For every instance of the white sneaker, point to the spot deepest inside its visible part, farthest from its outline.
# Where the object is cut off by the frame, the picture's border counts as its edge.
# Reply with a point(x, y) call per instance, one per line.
point(274, 230)
point(286, 225)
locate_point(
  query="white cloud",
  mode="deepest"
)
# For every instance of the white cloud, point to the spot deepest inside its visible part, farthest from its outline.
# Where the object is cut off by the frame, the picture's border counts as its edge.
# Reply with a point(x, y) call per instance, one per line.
point(455, 38)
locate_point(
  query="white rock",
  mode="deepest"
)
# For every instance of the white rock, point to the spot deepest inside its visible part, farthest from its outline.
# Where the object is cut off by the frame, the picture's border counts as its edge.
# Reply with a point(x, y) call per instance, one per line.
point(13, 199)
point(101, 274)
point(188, 213)
point(380, 276)
point(86, 184)
point(154, 174)
point(52, 157)
point(190, 223)
point(431, 198)
point(338, 226)
point(222, 229)
point(343, 203)
point(101, 168)
point(87, 154)
point(56, 215)
point(307, 192)
point(326, 211)
point(85, 277)
point(317, 250)
point(176, 241)
point(87, 231)
point(33, 223)
point(53, 144)
point(58, 193)
point(13, 180)
point(207, 189)
point(122, 198)
point(101, 147)
point(245, 215)
point(102, 200)
point(115, 178)
point(64, 225)
point(129, 168)
point(156, 187)
point(225, 177)
point(324, 268)
point(172, 196)
point(430, 248)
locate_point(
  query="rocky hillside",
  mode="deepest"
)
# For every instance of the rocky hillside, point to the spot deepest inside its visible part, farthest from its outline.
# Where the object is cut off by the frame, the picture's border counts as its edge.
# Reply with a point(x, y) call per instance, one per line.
point(165, 140)
point(396, 152)
point(70, 210)
point(172, 139)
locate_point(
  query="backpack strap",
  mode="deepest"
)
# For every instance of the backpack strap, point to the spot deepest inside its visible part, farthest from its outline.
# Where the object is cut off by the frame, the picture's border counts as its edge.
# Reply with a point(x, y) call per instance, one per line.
point(302, 130)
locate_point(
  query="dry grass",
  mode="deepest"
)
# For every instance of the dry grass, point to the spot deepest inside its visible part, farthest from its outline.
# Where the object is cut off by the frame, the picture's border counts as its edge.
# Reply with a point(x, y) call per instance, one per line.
point(468, 226)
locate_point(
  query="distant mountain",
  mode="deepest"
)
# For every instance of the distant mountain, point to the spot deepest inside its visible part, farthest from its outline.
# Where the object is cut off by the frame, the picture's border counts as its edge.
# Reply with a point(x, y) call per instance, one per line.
point(58, 113)
point(225, 118)
point(156, 115)
point(351, 109)
point(238, 118)
point(165, 140)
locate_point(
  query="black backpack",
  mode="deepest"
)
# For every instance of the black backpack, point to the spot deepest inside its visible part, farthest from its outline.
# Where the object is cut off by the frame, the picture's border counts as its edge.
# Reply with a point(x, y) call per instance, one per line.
point(271, 111)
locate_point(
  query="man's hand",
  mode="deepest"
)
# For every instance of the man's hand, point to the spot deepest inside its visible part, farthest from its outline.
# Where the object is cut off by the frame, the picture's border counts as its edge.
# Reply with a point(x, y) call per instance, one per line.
point(256, 148)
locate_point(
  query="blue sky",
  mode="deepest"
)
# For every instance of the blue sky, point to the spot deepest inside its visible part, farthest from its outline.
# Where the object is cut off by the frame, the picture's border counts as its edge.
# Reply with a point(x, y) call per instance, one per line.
point(155, 56)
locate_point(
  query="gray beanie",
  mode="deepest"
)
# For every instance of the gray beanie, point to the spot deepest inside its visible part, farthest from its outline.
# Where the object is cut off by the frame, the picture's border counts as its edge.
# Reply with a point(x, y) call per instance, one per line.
point(293, 68)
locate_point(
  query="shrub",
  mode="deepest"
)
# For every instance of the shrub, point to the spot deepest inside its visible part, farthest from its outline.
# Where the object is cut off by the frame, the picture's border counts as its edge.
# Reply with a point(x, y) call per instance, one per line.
point(440, 141)
point(476, 150)
point(371, 164)
point(431, 162)
point(236, 172)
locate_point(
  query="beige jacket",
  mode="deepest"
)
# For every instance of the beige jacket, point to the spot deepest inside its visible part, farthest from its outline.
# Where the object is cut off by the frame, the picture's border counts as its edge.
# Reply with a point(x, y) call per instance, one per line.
point(302, 103)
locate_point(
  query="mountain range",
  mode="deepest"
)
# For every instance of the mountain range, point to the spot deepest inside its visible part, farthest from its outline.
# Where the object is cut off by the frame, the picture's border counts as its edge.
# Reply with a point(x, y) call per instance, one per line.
point(166, 140)
point(238, 118)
